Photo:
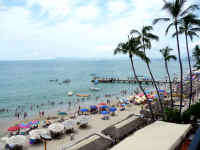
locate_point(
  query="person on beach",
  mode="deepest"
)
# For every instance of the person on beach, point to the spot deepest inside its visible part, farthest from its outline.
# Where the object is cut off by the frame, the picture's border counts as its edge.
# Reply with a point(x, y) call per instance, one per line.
point(42, 113)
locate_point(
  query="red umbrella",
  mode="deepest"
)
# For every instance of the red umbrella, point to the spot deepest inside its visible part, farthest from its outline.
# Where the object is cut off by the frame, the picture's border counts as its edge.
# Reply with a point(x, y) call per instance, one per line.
point(102, 103)
point(13, 128)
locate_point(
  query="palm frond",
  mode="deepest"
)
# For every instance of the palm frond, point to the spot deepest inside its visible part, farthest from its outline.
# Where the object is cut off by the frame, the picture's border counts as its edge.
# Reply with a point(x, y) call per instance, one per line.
point(133, 31)
point(171, 57)
point(195, 29)
point(121, 48)
point(169, 26)
point(155, 21)
point(166, 54)
point(146, 28)
point(190, 9)
point(152, 36)
point(192, 34)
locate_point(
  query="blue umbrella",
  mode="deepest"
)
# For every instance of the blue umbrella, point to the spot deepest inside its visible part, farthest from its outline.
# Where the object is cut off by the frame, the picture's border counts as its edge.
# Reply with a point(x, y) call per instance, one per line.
point(84, 110)
point(123, 104)
point(147, 92)
point(62, 113)
point(161, 90)
point(112, 109)
point(104, 112)
point(93, 107)
point(104, 106)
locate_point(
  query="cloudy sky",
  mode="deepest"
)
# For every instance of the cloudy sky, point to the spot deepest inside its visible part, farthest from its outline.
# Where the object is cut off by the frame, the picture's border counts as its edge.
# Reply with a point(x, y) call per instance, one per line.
point(43, 29)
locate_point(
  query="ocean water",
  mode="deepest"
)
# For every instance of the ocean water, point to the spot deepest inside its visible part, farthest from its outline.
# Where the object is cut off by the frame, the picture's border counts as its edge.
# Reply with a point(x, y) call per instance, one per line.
point(25, 83)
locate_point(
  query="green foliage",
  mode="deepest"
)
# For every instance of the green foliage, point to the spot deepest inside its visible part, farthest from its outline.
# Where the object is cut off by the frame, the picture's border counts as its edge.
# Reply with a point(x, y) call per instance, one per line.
point(196, 55)
point(194, 111)
point(172, 115)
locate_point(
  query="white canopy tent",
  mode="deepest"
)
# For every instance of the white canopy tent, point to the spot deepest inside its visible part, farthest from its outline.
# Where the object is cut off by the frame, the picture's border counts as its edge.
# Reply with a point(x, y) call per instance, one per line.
point(157, 136)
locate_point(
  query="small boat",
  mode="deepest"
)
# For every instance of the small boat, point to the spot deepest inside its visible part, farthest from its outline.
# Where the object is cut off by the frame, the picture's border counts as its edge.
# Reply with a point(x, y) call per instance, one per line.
point(83, 95)
point(66, 81)
point(94, 89)
point(70, 93)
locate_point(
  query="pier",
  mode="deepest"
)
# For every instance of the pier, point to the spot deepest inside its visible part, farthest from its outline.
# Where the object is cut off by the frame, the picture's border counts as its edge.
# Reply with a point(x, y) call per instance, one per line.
point(117, 80)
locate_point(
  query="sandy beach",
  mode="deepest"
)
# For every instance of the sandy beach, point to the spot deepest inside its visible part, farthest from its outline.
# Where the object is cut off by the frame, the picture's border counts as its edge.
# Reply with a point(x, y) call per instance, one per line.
point(96, 125)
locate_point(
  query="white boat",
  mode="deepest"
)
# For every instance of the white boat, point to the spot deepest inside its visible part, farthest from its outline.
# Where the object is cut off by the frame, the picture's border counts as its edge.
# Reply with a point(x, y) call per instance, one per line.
point(70, 93)
point(94, 89)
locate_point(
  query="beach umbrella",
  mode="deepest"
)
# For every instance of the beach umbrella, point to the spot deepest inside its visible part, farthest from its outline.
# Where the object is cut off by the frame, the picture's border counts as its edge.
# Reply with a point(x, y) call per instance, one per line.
point(112, 109)
point(19, 140)
point(14, 128)
point(104, 112)
point(84, 110)
point(123, 105)
point(83, 119)
point(103, 106)
point(102, 103)
point(69, 124)
point(141, 94)
point(34, 122)
point(62, 113)
point(147, 92)
point(36, 134)
point(93, 107)
point(24, 126)
point(56, 127)
point(161, 90)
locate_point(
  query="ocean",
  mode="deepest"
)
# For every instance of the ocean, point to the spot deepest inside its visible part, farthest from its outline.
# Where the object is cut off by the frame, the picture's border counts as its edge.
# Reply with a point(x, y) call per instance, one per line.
point(26, 84)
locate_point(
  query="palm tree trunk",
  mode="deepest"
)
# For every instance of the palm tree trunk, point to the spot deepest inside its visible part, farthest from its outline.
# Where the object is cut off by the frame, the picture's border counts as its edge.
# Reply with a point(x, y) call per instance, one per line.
point(170, 84)
point(181, 68)
point(141, 88)
point(154, 83)
point(189, 62)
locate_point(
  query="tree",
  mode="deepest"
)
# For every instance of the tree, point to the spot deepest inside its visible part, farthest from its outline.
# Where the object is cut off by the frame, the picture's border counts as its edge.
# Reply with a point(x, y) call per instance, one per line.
point(167, 57)
point(146, 37)
point(133, 48)
point(189, 27)
point(196, 55)
point(176, 9)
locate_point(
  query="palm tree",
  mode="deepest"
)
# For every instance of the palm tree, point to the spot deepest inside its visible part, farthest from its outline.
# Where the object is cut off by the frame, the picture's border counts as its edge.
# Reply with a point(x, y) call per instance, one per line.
point(133, 48)
point(188, 28)
point(167, 57)
point(176, 10)
point(146, 36)
point(196, 55)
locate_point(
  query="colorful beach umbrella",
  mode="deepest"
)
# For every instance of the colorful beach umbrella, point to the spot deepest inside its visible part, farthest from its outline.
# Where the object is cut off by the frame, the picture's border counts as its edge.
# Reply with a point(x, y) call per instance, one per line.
point(24, 126)
point(161, 90)
point(34, 122)
point(14, 128)
point(104, 112)
point(112, 109)
point(103, 106)
point(93, 107)
point(102, 103)
point(84, 110)
point(140, 95)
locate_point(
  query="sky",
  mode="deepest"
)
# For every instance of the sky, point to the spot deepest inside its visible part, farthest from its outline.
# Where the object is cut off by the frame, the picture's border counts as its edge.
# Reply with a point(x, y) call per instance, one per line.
point(46, 29)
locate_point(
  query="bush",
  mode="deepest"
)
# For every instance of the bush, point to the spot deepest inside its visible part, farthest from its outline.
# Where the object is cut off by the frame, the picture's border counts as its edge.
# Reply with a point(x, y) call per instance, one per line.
point(172, 115)
point(193, 111)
